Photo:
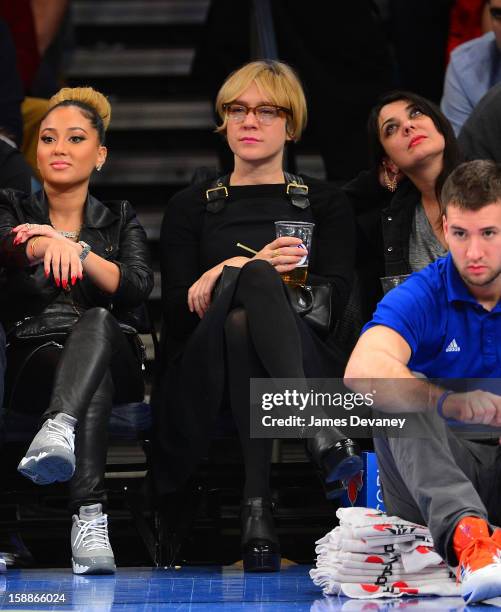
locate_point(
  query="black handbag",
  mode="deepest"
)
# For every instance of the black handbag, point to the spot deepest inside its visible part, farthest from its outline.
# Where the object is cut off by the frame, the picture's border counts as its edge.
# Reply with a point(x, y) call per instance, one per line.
point(313, 303)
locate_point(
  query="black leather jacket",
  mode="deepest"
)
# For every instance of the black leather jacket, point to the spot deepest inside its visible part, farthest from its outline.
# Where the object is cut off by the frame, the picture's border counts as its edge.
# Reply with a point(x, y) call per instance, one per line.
point(384, 225)
point(113, 232)
point(396, 220)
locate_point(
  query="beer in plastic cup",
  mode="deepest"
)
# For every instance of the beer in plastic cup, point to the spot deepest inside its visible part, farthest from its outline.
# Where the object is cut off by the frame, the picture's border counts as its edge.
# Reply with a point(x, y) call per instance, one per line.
point(304, 231)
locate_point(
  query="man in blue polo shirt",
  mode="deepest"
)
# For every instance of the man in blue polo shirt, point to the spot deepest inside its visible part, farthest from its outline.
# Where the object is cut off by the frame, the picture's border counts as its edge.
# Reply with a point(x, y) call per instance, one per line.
point(445, 322)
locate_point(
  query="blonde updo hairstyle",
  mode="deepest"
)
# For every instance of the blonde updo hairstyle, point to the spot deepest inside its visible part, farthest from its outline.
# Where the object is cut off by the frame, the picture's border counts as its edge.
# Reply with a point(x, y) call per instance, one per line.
point(93, 105)
point(279, 85)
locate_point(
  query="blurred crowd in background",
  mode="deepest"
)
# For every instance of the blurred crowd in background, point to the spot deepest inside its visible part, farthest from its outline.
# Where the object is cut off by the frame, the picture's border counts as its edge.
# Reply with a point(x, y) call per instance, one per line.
point(347, 54)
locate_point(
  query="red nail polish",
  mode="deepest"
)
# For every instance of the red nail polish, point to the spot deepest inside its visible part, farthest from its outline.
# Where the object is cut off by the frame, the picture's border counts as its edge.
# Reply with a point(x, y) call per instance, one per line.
point(64, 283)
point(73, 280)
point(46, 273)
point(58, 282)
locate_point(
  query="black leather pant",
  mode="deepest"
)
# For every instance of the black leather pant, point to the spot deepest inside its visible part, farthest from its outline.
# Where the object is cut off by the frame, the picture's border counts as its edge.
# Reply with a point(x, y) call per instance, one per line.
point(96, 368)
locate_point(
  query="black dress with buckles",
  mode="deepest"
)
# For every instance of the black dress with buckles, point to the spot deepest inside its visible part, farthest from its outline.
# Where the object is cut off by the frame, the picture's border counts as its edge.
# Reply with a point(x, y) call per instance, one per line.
point(100, 363)
point(199, 369)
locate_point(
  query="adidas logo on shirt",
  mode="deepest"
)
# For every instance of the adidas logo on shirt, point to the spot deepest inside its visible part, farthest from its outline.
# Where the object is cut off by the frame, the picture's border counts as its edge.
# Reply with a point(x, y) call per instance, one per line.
point(453, 347)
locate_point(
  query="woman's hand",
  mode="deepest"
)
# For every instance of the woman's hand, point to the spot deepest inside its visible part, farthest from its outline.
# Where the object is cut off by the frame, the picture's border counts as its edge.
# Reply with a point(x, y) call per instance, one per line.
point(200, 293)
point(25, 231)
point(62, 257)
point(283, 253)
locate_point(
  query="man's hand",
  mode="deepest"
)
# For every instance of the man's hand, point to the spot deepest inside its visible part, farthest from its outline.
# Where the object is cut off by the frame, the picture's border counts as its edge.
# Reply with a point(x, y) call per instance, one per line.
point(479, 407)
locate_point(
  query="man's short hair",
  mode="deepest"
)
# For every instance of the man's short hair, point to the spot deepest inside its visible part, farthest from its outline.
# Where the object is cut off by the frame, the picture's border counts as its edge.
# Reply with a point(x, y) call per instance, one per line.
point(472, 185)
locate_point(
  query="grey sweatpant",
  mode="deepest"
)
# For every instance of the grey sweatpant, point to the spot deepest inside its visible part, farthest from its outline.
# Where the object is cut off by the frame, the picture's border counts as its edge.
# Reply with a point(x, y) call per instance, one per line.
point(438, 478)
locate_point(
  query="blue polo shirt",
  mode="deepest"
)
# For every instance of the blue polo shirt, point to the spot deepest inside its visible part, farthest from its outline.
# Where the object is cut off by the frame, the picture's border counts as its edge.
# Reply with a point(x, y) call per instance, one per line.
point(450, 334)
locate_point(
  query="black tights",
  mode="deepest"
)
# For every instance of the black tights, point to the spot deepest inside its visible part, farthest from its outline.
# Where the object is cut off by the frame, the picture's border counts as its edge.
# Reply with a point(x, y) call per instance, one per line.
point(262, 341)
point(96, 367)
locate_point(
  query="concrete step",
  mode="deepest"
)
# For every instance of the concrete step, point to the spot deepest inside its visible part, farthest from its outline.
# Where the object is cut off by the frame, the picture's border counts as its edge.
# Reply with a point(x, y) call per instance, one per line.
point(183, 114)
point(176, 169)
point(117, 61)
point(138, 12)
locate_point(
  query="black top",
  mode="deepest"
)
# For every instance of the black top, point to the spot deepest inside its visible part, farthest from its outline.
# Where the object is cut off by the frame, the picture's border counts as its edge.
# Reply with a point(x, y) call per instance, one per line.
point(384, 225)
point(194, 240)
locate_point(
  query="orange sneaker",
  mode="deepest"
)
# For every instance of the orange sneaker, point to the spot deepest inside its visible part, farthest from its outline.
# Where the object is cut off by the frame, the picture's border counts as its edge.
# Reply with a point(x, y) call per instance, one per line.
point(496, 536)
point(479, 558)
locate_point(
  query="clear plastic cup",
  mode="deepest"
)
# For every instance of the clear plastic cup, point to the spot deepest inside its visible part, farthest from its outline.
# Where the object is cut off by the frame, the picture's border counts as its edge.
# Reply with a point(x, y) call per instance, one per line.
point(304, 231)
point(390, 282)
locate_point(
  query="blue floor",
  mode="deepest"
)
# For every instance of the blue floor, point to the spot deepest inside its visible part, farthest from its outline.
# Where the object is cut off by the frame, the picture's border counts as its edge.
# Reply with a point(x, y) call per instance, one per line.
point(191, 589)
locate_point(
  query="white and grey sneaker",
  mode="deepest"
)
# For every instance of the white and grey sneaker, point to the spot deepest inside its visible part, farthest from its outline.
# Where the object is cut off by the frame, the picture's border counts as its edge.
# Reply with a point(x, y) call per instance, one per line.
point(51, 455)
point(90, 544)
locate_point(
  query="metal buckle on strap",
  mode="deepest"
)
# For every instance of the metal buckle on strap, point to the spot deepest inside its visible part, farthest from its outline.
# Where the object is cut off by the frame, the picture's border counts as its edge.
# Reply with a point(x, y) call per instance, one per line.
point(297, 189)
point(211, 195)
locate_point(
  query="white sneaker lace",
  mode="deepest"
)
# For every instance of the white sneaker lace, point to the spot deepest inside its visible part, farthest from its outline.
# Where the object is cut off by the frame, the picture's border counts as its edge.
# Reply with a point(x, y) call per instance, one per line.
point(60, 434)
point(93, 534)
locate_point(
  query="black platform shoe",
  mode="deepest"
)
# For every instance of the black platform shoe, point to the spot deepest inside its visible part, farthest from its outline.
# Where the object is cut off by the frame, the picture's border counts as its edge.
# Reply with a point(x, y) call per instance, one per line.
point(260, 546)
point(337, 459)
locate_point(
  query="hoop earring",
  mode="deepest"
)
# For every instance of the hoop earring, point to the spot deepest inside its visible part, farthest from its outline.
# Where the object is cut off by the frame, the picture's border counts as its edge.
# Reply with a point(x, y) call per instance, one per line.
point(391, 184)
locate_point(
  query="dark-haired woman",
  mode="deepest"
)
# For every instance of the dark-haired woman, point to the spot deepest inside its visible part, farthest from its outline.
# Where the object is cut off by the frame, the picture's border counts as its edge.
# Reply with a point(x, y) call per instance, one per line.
point(70, 261)
point(399, 225)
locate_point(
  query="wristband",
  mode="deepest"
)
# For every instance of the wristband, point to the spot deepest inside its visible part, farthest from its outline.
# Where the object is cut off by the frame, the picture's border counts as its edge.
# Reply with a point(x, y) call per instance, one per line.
point(85, 250)
point(33, 253)
point(440, 403)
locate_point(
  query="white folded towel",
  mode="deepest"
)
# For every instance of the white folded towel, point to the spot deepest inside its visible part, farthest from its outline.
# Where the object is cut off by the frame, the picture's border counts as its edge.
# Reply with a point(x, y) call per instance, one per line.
point(371, 555)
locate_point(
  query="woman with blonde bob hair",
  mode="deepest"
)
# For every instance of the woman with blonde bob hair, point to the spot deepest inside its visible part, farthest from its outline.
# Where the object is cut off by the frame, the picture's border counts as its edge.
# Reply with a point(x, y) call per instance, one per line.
point(215, 342)
point(283, 89)
point(70, 261)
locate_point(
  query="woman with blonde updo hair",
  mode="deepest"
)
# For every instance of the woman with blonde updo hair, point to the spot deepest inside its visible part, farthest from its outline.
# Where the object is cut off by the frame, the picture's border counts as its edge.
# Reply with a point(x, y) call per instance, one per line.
point(216, 341)
point(74, 267)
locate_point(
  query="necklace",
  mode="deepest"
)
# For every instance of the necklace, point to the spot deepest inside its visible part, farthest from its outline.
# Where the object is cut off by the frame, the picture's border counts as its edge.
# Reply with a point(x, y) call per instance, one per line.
point(73, 235)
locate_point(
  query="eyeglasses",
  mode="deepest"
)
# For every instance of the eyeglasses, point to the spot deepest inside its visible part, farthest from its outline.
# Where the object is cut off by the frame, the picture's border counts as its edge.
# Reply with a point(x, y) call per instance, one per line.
point(495, 13)
point(264, 113)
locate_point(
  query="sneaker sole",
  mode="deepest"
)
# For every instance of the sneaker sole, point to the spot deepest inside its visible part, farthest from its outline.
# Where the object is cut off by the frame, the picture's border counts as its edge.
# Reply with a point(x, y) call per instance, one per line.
point(484, 583)
point(46, 469)
point(92, 569)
